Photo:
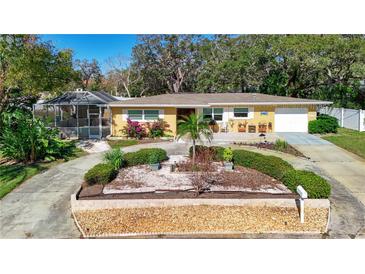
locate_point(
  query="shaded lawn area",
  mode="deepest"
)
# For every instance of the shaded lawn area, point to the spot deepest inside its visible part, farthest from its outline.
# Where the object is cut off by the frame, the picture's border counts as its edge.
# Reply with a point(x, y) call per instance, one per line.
point(13, 175)
point(122, 143)
point(351, 140)
point(131, 142)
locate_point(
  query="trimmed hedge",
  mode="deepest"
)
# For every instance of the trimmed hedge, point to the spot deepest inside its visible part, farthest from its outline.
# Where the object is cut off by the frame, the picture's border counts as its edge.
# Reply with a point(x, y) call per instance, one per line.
point(217, 151)
point(316, 186)
point(323, 124)
point(100, 174)
point(269, 165)
point(142, 156)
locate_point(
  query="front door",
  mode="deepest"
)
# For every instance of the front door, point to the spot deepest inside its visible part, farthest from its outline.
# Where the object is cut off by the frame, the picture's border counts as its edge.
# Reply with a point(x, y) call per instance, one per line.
point(181, 112)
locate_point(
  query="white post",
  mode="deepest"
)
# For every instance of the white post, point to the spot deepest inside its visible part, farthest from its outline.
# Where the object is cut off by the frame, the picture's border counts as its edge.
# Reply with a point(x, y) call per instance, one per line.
point(303, 195)
point(55, 116)
point(342, 119)
point(77, 120)
point(360, 120)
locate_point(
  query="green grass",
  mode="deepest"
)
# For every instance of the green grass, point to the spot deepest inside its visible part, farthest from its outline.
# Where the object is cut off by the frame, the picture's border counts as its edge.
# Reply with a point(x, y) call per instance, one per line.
point(13, 175)
point(122, 143)
point(351, 140)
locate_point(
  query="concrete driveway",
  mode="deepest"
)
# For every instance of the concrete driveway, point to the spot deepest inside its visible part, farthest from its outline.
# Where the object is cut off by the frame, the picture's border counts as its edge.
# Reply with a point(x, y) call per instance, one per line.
point(344, 166)
point(339, 166)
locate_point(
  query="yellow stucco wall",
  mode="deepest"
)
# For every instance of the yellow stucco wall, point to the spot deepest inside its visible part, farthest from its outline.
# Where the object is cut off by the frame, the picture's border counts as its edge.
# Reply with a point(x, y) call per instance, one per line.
point(312, 113)
point(258, 117)
point(118, 122)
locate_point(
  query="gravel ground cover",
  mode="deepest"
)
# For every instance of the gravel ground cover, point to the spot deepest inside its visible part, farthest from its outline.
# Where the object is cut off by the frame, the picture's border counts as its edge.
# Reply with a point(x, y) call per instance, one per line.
point(201, 218)
point(140, 179)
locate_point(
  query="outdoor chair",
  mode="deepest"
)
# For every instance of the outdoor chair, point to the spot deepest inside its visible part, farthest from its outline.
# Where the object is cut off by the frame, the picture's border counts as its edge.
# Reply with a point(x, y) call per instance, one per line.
point(224, 127)
point(262, 128)
point(251, 129)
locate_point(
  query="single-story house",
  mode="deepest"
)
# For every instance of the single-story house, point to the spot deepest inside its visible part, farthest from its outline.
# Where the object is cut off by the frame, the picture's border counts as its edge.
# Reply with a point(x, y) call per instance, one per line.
point(233, 112)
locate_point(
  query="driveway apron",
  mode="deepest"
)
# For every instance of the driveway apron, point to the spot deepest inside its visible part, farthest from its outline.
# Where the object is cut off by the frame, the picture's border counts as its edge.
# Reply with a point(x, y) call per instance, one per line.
point(346, 173)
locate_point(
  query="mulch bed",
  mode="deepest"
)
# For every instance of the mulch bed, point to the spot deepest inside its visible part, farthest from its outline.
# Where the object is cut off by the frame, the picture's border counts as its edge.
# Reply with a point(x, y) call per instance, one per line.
point(88, 195)
point(201, 218)
point(271, 146)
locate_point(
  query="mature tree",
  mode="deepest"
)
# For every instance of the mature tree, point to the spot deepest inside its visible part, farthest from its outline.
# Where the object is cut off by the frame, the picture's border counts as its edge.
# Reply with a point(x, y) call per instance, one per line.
point(194, 127)
point(122, 75)
point(90, 74)
point(28, 67)
point(167, 63)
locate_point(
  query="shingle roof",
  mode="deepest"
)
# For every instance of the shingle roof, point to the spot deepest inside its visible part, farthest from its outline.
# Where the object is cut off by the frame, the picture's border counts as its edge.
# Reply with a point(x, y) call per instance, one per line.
point(211, 99)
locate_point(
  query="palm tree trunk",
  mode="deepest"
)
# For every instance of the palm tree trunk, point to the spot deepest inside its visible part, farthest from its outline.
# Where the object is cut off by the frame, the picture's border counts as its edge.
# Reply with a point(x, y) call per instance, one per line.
point(193, 152)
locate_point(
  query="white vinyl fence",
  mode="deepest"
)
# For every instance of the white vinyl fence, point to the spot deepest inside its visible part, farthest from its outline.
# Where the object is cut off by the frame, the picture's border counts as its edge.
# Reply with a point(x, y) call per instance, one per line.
point(347, 118)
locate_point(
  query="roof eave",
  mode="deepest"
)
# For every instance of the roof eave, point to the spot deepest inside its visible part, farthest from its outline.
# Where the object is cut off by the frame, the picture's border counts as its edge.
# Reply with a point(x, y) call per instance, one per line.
point(114, 104)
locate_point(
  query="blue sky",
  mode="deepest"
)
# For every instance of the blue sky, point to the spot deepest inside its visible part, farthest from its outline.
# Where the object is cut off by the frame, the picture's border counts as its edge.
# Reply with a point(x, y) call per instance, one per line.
point(98, 46)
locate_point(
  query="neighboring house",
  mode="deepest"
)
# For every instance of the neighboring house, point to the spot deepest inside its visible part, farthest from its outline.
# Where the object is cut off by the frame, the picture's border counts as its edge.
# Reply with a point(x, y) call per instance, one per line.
point(233, 112)
point(78, 114)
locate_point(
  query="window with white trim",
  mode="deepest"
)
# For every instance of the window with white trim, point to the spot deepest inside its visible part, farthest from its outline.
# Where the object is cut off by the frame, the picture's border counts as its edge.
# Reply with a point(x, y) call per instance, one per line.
point(240, 112)
point(143, 114)
point(213, 114)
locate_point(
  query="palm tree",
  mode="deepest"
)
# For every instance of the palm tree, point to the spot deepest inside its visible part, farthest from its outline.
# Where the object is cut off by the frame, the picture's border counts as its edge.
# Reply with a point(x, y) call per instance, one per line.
point(194, 127)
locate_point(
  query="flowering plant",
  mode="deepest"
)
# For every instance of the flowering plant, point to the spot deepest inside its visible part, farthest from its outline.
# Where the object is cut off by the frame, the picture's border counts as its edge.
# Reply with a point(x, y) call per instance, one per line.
point(134, 129)
point(157, 128)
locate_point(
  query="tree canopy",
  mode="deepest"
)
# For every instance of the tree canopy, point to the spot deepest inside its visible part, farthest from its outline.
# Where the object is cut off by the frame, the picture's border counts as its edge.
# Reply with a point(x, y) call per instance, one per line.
point(307, 66)
point(28, 67)
point(327, 67)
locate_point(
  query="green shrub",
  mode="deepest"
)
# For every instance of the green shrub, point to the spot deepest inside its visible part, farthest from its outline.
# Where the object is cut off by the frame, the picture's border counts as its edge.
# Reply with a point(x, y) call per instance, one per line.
point(153, 159)
point(142, 156)
point(100, 174)
point(323, 124)
point(316, 186)
point(217, 151)
point(280, 145)
point(27, 139)
point(228, 154)
point(269, 165)
point(115, 158)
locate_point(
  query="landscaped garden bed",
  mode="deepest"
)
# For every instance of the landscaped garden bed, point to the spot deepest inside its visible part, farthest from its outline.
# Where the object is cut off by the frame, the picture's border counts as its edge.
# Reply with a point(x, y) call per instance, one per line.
point(127, 195)
point(279, 145)
point(179, 176)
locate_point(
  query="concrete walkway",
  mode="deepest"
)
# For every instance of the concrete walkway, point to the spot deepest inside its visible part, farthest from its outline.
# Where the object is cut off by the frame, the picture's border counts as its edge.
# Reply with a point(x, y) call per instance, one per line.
point(40, 207)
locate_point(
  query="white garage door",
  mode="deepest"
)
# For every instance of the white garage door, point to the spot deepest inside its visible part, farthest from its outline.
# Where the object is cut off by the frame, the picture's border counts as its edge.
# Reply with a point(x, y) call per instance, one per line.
point(291, 120)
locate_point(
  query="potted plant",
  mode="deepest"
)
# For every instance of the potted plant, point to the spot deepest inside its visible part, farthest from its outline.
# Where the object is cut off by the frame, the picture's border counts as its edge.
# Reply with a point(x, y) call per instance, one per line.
point(154, 162)
point(242, 126)
point(228, 157)
point(214, 126)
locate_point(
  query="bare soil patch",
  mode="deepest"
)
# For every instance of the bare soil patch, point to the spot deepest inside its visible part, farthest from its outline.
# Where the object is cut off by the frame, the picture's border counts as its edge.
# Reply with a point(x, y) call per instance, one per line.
point(202, 218)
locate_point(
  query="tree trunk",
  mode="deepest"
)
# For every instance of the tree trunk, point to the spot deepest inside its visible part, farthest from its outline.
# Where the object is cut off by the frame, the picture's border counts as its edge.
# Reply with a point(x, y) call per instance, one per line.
point(193, 152)
point(32, 154)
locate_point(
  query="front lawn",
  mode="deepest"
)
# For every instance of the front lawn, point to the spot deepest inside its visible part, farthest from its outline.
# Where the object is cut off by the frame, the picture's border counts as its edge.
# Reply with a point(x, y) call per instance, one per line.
point(12, 175)
point(351, 140)
point(122, 143)
point(131, 142)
